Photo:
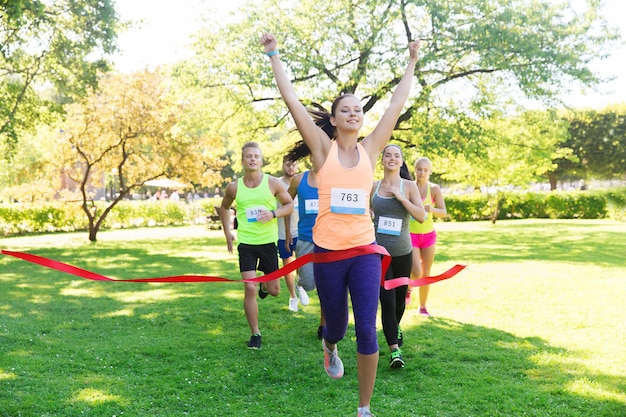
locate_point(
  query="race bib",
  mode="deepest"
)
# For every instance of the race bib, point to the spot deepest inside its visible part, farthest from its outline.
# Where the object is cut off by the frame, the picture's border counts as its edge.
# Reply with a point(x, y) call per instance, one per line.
point(348, 201)
point(311, 206)
point(253, 213)
point(389, 226)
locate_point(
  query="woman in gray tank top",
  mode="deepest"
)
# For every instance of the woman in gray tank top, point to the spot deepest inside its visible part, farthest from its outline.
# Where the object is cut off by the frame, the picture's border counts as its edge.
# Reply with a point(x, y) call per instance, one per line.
point(394, 200)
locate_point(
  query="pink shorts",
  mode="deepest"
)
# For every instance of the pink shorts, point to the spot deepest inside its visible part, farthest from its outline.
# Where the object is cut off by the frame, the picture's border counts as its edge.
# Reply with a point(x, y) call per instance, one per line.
point(423, 240)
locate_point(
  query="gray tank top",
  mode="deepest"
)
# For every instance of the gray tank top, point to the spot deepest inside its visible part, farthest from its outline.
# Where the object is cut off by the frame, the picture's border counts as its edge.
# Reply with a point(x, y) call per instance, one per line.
point(391, 223)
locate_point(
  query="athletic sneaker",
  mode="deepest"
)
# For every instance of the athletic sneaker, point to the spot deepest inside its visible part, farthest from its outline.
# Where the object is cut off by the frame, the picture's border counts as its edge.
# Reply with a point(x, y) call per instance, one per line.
point(400, 337)
point(332, 363)
point(364, 412)
point(293, 304)
point(424, 312)
point(255, 341)
point(304, 297)
point(262, 291)
point(320, 332)
point(396, 360)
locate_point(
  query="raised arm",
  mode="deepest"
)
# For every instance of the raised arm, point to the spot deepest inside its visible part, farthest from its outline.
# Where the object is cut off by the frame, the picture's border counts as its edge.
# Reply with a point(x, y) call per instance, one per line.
point(314, 137)
point(378, 139)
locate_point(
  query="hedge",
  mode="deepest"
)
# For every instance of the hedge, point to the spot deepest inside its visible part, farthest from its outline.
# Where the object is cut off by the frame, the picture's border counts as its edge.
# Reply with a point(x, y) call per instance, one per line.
point(18, 219)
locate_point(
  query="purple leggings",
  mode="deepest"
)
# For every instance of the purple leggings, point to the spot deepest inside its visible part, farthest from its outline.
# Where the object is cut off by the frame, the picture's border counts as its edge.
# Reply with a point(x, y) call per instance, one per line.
point(361, 277)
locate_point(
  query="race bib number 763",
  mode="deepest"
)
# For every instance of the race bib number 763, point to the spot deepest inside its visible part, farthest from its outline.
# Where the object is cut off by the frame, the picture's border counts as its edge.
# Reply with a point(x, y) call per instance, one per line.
point(348, 200)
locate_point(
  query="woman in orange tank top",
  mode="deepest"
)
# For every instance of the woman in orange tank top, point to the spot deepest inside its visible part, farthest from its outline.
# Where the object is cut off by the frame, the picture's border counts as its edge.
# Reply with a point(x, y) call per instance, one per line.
point(344, 168)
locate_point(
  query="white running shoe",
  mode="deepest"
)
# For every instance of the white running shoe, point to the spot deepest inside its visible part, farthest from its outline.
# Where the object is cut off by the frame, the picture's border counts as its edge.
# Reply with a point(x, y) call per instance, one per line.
point(332, 363)
point(304, 297)
point(365, 412)
point(293, 304)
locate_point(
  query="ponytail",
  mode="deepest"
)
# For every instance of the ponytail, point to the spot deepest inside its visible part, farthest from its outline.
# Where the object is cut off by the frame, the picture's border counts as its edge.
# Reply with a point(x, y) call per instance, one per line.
point(321, 117)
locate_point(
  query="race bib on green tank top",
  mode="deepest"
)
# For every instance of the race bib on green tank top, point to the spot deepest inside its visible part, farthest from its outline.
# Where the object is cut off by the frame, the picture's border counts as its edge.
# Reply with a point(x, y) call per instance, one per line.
point(253, 213)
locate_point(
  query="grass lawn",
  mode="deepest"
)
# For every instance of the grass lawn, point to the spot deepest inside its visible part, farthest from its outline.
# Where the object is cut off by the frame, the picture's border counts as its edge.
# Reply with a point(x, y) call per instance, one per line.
point(535, 326)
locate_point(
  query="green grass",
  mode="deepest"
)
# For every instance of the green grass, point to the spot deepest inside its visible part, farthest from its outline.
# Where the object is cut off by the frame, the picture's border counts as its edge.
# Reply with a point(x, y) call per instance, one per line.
point(535, 326)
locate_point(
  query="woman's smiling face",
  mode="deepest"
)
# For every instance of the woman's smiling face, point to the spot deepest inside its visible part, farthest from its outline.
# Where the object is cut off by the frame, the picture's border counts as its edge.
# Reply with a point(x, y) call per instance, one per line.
point(348, 113)
point(392, 157)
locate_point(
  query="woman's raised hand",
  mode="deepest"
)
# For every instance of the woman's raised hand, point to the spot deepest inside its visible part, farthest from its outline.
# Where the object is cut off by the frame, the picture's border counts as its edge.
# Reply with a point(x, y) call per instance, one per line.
point(414, 48)
point(269, 42)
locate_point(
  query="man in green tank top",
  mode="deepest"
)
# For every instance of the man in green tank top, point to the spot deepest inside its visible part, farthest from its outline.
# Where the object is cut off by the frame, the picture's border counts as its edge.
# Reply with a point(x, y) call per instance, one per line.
point(255, 195)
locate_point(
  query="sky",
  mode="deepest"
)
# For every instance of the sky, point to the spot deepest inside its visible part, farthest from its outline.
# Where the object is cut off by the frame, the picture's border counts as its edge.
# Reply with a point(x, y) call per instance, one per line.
point(162, 37)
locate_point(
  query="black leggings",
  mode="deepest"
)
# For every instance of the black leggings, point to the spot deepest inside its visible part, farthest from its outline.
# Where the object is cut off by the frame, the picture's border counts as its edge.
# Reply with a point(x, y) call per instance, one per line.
point(392, 302)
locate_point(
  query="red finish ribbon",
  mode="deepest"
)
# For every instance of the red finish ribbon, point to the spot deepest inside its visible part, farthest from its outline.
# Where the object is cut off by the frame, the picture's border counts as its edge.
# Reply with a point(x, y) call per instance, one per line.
point(418, 282)
point(311, 257)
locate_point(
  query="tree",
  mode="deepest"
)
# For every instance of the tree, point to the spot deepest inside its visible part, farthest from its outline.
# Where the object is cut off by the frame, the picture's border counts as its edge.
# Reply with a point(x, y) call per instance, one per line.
point(30, 177)
point(137, 129)
point(477, 57)
point(62, 43)
point(519, 151)
point(598, 139)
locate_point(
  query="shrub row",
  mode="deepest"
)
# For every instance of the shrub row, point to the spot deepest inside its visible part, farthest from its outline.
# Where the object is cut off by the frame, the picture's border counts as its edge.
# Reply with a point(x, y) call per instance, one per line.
point(52, 217)
point(18, 219)
point(597, 204)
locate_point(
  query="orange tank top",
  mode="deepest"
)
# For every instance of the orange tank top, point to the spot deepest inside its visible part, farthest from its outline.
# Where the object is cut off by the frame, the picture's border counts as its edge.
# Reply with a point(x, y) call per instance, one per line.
point(343, 219)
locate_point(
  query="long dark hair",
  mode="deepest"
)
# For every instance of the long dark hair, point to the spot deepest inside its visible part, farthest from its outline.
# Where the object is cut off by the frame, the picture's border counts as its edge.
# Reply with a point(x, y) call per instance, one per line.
point(405, 172)
point(321, 117)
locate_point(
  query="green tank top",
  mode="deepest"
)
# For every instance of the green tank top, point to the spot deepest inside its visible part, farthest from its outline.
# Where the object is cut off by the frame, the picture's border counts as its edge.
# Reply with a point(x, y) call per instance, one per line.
point(249, 201)
point(428, 226)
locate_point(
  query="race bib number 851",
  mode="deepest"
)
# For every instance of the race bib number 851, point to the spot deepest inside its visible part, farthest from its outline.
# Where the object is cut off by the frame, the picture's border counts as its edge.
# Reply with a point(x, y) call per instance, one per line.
point(389, 226)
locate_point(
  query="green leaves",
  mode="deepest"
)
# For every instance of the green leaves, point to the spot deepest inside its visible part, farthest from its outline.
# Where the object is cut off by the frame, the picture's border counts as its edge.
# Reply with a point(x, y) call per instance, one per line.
point(61, 44)
point(477, 57)
point(598, 139)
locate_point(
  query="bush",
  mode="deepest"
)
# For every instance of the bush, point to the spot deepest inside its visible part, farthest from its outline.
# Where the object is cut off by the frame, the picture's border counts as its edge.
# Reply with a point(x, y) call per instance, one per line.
point(616, 203)
point(576, 205)
point(467, 207)
point(523, 206)
point(595, 204)
point(56, 216)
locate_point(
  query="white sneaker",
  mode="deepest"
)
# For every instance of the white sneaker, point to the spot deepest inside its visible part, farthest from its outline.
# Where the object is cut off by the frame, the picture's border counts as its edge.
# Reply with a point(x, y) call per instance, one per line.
point(332, 362)
point(304, 297)
point(293, 304)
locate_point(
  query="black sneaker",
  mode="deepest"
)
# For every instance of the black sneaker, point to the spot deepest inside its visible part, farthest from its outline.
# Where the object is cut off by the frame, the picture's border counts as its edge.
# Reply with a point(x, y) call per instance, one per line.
point(400, 337)
point(320, 332)
point(396, 360)
point(262, 292)
point(255, 341)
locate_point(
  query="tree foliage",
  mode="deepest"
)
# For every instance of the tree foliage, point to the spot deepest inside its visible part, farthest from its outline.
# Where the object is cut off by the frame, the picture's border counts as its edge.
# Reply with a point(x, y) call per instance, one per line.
point(519, 150)
point(30, 176)
point(59, 43)
point(137, 129)
point(476, 57)
point(598, 140)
